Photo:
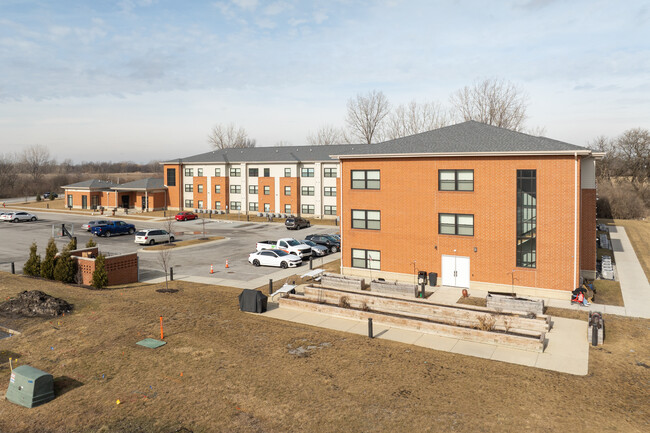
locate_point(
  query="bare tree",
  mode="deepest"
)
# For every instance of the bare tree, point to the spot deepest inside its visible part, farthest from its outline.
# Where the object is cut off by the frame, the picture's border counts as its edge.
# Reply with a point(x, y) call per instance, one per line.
point(606, 167)
point(282, 143)
point(492, 101)
point(165, 262)
point(168, 225)
point(8, 172)
point(633, 149)
point(326, 134)
point(36, 159)
point(365, 114)
point(414, 118)
point(228, 136)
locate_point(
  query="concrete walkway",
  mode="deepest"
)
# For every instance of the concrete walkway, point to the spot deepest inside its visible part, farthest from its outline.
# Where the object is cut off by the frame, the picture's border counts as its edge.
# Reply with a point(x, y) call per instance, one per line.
point(567, 349)
point(634, 284)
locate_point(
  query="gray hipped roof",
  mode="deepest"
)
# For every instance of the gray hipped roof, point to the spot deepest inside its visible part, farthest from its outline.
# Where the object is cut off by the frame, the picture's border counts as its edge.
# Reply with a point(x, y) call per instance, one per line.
point(90, 184)
point(146, 184)
point(466, 137)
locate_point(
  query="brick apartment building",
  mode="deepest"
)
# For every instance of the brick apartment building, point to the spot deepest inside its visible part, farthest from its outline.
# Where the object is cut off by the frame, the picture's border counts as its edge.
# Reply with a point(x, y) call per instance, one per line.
point(483, 207)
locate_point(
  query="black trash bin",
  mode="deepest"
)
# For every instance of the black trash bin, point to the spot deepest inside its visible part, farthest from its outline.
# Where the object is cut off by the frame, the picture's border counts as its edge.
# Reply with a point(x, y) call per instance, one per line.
point(433, 279)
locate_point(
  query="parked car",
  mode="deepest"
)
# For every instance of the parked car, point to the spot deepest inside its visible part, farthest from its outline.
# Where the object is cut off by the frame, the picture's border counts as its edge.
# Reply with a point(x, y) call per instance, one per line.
point(336, 236)
point(152, 236)
point(19, 216)
point(316, 250)
point(274, 258)
point(184, 216)
point(113, 228)
point(326, 240)
point(288, 245)
point(90, 224)
point(50, 194)
point(295, 223)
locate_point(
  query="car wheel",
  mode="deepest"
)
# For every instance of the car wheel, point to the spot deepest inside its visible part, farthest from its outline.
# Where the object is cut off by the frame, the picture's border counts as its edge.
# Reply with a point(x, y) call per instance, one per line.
point(33, 218)
point(284, 265)
point(108, 234)
point(131, 231)
point(308, 224)
point(15, 220)
point(333, 249)
point(256, 262)
point(151, 242)
point(171, 239)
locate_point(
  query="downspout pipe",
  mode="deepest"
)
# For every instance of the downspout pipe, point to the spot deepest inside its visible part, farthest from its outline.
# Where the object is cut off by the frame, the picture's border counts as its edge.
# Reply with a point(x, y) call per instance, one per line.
point(575, 222)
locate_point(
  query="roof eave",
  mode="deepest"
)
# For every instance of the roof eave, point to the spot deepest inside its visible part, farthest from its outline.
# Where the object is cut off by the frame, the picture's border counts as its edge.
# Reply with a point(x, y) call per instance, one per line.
point(456, 154)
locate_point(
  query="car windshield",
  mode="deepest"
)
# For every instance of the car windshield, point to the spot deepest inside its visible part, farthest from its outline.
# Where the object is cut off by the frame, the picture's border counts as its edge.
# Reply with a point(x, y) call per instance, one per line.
point(310, 243)
point(331, 238)
point(293, 243)
point(280, 253)
point(141, 234)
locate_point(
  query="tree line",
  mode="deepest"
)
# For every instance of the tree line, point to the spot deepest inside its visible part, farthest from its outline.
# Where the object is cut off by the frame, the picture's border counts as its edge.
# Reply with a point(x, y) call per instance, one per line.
point(34, 171)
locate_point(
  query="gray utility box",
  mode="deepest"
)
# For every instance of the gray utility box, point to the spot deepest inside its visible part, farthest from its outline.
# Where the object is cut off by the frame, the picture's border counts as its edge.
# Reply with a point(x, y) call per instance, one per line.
point(30, 386)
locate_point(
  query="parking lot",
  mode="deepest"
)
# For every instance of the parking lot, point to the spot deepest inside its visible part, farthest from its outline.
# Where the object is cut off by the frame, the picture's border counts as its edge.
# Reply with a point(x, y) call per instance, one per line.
point(239, 240)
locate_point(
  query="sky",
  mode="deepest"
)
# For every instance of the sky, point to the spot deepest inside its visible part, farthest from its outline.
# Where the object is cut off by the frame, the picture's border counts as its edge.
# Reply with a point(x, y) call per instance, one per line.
point(144, 80)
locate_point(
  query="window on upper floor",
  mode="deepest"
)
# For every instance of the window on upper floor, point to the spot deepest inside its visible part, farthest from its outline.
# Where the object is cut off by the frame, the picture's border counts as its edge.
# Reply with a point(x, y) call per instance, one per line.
point(267, 172)
point(235, 172)
point(306, 172)
point(189, 187)
point(307, 190)
point(329, 172)
point(287, 190)
point(330, 191)
point(217, 172)
point(365, 179)
point(366, 219)
point(199, 188)
point(235, 189)
point(171, 177)
point(199, 172)
point(456, 224)
point(252, 189)
point(189, 172)
point(217, 189)
point(527, 218)
point(253, 172)
point(456, 180)
point(267, 190)
point(287, 172)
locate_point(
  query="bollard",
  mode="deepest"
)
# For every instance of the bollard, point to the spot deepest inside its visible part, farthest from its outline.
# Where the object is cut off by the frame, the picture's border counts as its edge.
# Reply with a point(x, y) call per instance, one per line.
point(270, 285)
point(164, 213)
point(75, 240)
point(171, 274)
point(13, 268)
point(370, 327)
point(310, 263)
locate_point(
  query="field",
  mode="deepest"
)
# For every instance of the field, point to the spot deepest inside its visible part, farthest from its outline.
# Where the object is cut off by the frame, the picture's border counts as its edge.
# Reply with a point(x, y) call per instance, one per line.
point(227, 371)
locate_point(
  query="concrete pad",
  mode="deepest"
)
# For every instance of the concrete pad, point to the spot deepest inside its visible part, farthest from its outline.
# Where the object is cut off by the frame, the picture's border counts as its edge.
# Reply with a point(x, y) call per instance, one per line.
point(634, 284)
point(563, 364)
point(436, 342)
point(309, 318)
point(400, 335)
point(361, 328)
point(472, 348)
point(282, 313)
point(514, 356)
point(338, 324)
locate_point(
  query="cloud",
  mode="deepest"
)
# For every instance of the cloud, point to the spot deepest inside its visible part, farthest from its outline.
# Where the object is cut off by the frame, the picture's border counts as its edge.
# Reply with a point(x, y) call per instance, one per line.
point(249, 5)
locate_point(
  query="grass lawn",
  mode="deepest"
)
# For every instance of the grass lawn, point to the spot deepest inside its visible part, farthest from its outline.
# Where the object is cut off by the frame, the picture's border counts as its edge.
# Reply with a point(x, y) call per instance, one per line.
point(227, 371)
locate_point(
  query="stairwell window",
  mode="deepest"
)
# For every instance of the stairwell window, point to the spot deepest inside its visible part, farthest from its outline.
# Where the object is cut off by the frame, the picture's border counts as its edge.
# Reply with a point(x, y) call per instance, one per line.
point(527, 218)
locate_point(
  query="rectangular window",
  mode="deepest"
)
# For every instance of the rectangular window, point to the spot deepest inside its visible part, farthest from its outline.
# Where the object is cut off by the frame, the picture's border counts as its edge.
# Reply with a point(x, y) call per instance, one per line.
point(70, 198)
point(308, 209)
point(330, 191)
point(267, 207)
point(307, 190)
point(253, 205)
point(307, 172)
point(366, 219)
point(366, 259)
point(171, 177)
point(329, 172)
point(189, 172)
point(527, 218)
point(217, 189)
point(455, 224)
point(200, 204)
point(217, 172)
point(287, 172)
point(189, 203)
point(330, 210)
point(235, 172)
point(189, 187)
point(267, 190)
point(217, 205)
point(199, 188)
point(287, 190)
point(287, 208)
point(456, 180)
point(365, 179)
point(253, 172)
point(199, 172)
point(267, 172)
point(235, 205)
point(252, 189)
point(235, 189)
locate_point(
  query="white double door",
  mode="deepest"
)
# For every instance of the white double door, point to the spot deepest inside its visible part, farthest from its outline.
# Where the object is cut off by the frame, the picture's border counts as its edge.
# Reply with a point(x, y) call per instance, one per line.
point(455, 271)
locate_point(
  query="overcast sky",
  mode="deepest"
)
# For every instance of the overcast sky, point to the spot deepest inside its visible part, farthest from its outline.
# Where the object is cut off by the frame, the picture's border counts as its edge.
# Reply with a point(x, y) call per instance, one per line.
point(145, 80)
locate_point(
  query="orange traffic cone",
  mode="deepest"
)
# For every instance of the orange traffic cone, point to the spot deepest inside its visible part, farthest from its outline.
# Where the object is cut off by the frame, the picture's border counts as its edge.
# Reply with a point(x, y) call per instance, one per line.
point(211, 269)
point(227, 264)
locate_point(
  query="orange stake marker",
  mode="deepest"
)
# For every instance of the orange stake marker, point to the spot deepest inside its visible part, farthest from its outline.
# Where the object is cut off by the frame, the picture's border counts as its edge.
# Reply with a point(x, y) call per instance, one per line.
point(161, 329)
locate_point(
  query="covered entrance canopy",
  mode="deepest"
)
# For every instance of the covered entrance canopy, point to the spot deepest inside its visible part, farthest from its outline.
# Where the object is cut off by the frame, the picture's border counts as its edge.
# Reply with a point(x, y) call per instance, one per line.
point(145, 194)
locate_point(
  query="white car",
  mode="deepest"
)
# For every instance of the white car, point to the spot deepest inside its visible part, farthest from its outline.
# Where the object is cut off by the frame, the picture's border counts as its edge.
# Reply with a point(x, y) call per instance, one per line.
point(274, 258)
point(316, 250)
point(152, 236)
point(89, 225)
point(18, 216)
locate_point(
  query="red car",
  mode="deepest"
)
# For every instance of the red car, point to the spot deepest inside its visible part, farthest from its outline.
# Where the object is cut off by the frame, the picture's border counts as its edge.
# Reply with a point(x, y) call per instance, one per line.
point(184, 216)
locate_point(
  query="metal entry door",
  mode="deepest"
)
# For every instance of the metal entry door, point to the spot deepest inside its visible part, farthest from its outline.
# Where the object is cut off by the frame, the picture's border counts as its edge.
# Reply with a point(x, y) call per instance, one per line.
point(455, 271)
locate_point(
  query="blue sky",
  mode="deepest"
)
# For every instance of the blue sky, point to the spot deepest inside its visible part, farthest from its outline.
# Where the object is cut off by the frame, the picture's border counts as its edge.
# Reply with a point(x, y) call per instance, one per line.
point(147, 79)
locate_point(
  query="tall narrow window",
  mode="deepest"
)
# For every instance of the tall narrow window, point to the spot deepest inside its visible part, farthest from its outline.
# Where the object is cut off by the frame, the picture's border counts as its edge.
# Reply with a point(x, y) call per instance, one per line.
point(527, 218)
point(171, 177)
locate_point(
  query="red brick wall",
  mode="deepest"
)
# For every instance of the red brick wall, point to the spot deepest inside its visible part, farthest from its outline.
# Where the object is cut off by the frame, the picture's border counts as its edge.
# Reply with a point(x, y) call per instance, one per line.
point(174, 193)
point(223, 196)
point(122, 269)
point(270, 199)
point(294, 198)
point(201, 180)
point(410, 202)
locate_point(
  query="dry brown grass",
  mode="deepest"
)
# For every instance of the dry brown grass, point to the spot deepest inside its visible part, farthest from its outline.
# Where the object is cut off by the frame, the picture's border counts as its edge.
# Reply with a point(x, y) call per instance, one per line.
point(183, 243)
point(608, 293)
point(239, 374)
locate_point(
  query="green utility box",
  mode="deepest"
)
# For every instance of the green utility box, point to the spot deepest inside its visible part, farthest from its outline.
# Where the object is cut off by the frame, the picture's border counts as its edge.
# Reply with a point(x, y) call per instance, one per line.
point(30, 386)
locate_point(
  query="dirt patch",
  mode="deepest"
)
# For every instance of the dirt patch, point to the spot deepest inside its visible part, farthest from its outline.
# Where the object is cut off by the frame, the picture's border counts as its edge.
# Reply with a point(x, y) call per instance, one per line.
point(224, 370)
point(35, 303)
